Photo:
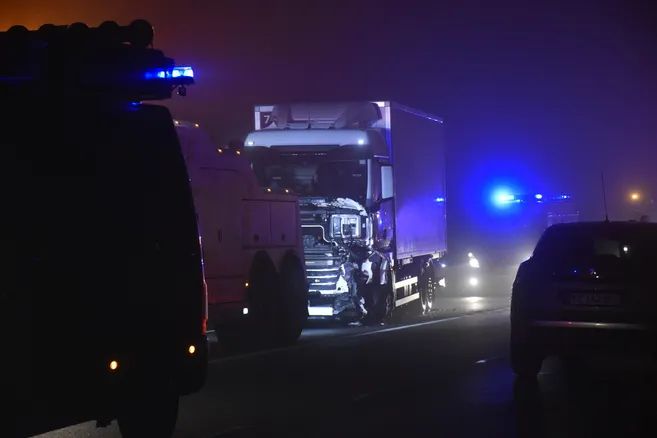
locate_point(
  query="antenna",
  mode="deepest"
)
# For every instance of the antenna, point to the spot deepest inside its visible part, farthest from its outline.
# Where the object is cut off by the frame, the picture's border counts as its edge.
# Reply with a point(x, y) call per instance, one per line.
point(604, 196)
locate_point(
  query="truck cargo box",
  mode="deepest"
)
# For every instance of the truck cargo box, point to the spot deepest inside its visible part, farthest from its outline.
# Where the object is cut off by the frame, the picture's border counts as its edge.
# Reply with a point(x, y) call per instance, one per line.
point(417, 152)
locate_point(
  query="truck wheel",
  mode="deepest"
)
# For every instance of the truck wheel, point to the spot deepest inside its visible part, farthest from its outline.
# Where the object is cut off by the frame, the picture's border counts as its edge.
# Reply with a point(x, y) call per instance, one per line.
point(427, 290)
point(264, 299)
point(152, 412)
point(293, 299)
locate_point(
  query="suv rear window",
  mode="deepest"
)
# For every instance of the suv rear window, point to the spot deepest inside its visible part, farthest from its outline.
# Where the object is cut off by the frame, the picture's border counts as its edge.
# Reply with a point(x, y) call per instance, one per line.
point(637, 242)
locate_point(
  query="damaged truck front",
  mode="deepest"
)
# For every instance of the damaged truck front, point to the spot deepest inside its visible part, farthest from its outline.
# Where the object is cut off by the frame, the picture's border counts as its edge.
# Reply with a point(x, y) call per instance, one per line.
point(373, 217)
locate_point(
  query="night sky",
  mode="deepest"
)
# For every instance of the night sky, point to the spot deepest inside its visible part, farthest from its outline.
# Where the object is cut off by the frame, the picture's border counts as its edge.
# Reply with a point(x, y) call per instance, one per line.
point(540, 96)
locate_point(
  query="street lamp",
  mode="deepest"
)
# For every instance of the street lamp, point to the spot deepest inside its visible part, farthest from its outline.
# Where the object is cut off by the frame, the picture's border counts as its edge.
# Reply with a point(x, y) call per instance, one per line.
point(635, 196)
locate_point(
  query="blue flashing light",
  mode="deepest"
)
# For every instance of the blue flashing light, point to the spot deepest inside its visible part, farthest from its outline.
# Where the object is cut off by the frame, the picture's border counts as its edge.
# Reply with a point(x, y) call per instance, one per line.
point(502, 198)
point(440, 200)
point(538, 196)
point(175, 72)
point(564, 196)
point(186, 72)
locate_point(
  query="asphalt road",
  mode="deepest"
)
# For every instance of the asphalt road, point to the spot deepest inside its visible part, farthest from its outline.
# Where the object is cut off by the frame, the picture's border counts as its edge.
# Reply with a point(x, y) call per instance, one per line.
point(442, 375)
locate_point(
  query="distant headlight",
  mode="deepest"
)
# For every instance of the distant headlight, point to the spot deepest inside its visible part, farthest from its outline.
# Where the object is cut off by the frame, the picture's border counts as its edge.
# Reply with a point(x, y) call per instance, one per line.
point(473, 281)
point(345, 225)
point(473, 262)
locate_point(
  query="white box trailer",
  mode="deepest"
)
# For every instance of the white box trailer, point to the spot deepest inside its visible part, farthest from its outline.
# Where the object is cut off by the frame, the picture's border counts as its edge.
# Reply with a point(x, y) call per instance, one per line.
point(371, 181)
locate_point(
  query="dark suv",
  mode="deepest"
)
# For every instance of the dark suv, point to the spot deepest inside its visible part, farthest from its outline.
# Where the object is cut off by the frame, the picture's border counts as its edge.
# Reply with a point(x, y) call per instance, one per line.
point(588, 286)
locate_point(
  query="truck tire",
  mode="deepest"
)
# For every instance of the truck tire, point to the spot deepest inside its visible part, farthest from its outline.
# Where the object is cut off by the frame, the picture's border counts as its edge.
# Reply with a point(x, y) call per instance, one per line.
point(264, 301)
point(293, 303)
point(151, 412)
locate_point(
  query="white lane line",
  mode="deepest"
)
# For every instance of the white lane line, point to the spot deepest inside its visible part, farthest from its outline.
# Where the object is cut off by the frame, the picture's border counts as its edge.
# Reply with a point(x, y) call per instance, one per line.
point(356, 335)
point(420, 324)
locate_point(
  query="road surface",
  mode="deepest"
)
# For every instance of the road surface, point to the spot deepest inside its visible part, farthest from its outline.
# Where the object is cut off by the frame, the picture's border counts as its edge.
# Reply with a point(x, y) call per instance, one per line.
point(442, 375)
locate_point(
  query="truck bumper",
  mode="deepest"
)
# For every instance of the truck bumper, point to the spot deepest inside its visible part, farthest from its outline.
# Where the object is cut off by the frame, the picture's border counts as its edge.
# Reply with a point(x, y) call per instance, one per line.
point(340, 306)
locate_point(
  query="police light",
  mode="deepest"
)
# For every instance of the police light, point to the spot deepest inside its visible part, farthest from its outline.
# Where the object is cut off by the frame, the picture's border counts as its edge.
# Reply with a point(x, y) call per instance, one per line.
point(111, 59)
point(171, 73)
point(502, 198)
point(538, 196)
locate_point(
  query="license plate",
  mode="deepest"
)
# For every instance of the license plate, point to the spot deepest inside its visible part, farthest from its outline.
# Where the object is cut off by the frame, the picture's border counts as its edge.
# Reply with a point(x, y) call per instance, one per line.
point(594, 299)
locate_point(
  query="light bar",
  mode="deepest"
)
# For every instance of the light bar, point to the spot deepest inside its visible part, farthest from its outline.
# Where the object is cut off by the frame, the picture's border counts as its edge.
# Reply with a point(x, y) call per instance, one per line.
point(172, 73)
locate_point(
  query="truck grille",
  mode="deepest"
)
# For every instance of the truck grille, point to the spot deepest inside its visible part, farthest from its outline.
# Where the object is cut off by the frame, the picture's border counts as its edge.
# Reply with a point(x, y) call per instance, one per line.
point(323, 271)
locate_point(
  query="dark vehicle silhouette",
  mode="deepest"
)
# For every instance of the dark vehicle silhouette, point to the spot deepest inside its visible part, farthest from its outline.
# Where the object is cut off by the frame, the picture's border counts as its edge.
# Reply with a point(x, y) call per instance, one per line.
point(106, 315)
point(587, 287)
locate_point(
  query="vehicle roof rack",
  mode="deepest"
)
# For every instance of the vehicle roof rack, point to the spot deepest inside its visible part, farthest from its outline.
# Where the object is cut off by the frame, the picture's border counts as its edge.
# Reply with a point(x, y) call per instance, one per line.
point(109, 59)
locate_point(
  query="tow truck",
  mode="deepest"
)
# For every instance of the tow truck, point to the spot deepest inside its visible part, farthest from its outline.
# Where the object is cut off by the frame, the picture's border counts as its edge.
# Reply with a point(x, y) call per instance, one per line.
point(106, 247)
point(251, 240)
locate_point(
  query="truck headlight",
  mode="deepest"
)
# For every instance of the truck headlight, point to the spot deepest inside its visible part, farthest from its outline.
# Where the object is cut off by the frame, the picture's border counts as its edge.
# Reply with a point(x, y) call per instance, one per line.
point(345, 225)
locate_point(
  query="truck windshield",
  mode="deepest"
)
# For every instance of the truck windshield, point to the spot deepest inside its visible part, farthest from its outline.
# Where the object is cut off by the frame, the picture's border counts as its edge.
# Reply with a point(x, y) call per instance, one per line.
point(315, 175)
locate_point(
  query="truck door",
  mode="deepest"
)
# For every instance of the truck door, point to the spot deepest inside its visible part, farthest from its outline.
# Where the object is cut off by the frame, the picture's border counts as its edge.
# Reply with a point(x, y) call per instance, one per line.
point(284, 225)
point(218, 205)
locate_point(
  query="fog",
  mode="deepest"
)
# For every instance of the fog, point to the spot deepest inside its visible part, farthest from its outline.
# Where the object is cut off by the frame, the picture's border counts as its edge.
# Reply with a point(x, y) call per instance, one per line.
point(540, 96)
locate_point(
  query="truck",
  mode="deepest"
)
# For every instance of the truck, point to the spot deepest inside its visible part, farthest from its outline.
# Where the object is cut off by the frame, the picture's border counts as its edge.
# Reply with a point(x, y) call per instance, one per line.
point(251, 241)
point(107, 249)
point(370, 176)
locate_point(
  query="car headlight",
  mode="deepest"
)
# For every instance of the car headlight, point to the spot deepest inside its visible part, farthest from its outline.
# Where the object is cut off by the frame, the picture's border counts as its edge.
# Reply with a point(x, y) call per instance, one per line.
point(345, 225)
point(473, 262)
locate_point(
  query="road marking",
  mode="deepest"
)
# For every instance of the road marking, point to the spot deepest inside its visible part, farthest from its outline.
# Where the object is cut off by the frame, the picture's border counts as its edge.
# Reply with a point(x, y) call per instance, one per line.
point(408, 299)
point(356, 335)
point(589, 324)
point(420, 324)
